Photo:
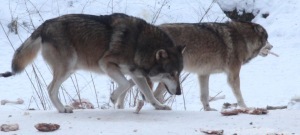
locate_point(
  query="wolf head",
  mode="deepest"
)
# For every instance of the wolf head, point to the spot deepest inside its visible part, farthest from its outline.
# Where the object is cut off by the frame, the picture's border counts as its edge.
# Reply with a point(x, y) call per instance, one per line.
point(160, 59)
point(255, 36)
point(262, 33)
point(168, 68)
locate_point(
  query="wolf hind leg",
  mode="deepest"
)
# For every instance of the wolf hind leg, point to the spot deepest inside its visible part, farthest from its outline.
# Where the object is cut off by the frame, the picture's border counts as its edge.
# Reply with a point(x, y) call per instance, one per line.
point(121, 99)
point(62, 59)
point(59, 76)
point(204, 92)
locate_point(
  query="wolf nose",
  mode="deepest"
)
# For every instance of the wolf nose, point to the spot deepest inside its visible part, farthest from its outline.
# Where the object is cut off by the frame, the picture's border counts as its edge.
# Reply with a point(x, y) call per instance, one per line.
point(268, 45)
point(178, 91)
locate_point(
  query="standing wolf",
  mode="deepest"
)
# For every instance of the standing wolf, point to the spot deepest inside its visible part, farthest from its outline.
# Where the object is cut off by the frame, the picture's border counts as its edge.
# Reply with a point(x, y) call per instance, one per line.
point(114, 44)
point(216, 48)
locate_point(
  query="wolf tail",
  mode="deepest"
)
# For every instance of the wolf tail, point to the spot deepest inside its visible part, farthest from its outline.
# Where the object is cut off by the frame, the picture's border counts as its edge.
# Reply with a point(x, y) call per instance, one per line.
point(25, 54)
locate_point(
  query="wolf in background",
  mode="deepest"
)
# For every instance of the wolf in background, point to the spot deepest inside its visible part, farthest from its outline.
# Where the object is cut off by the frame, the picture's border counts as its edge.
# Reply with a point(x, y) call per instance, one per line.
point(216, 48)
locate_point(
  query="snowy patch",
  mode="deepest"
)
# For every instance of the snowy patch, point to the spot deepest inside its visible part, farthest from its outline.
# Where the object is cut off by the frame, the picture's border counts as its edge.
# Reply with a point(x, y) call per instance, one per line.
point(294, 103)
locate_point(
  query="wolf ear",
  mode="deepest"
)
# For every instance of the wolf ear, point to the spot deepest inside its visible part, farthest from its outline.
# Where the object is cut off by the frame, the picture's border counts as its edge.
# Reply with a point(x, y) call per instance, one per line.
point(161, 53)
point(259, 29)
point(181, 48)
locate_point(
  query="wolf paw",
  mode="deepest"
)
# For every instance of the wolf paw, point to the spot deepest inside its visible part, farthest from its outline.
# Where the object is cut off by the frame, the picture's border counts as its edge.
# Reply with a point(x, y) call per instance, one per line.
point(113, 98)
point(67, 109)
point(210, 109)
point(163, 107)
point(120, 106)
point(242, 105)
point(120, 103)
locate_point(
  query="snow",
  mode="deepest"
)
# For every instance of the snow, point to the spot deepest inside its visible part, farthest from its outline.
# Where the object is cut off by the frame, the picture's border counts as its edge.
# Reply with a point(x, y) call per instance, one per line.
point(264, 81)
point(249, 6)
point(149, 122)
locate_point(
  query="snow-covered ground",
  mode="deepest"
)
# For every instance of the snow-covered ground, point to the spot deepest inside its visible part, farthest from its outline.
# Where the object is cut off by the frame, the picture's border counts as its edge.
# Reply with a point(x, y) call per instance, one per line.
point(264, 81)
point(149, 122)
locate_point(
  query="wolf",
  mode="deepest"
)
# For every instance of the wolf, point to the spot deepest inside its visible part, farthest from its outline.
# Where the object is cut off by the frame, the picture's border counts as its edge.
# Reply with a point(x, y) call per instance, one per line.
point(115, 45)
point(216, 48)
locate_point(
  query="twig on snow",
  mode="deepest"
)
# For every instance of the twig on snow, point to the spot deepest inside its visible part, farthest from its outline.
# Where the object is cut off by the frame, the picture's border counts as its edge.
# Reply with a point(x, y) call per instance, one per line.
point(276, 107)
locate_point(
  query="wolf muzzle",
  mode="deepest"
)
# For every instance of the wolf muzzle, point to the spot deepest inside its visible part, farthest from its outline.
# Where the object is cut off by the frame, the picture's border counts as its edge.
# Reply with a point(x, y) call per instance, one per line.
point(178, 90)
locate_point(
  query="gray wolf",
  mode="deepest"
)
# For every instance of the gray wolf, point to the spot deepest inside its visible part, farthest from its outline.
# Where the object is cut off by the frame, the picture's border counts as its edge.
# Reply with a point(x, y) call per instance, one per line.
point(216, 48)
point(115, 45)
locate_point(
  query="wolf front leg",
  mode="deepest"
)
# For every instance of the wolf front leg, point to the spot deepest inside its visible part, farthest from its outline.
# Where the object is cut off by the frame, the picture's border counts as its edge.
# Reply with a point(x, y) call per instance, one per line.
point(113, 71)
point(204, 92)
point(233, 78)
point(121, 98)
point(159, 92)
point(141, 82)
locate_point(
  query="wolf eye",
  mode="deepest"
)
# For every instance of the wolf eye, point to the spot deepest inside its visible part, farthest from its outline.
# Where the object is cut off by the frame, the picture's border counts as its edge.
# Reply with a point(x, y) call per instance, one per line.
point(175, 73)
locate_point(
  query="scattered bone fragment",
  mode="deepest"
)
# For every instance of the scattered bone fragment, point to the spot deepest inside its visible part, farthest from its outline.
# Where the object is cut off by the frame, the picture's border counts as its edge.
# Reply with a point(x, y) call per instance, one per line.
point(18, 101)
point(82, 104)
point(212, 132)
point(9, 127)
point(231, 109)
